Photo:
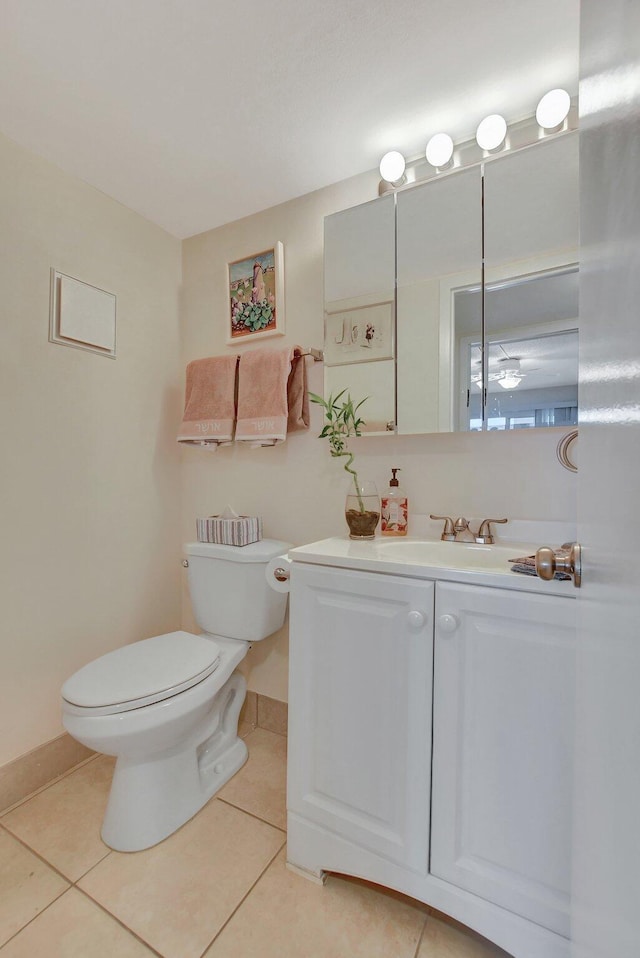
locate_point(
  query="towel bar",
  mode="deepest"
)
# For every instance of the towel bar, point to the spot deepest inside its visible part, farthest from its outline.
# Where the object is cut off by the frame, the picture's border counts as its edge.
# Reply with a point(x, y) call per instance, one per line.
point(318, 354)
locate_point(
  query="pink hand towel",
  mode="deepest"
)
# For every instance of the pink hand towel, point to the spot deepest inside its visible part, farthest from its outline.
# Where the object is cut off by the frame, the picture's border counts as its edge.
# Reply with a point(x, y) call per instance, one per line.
point(272, 395)
point(209, 407)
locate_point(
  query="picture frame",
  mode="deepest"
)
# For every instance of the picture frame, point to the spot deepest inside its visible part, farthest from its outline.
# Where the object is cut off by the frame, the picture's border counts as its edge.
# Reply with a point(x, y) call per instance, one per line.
point(255, 289)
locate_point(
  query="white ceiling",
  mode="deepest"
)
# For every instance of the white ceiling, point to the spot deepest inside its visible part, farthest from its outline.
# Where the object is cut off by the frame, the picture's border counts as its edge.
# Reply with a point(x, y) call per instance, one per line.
point(195, 113)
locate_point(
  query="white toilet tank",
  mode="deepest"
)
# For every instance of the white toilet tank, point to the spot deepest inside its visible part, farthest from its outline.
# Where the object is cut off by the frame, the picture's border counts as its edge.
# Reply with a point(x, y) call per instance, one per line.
point(229, 591)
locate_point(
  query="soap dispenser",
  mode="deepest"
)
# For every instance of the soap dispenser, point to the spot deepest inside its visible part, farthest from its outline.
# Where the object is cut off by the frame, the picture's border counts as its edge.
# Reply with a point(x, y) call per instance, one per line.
point(395, 509)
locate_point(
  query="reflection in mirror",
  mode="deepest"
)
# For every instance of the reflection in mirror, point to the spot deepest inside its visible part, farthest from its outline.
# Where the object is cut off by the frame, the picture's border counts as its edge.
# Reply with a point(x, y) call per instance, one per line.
point(439, 248)
point(531, 237)
point(531, 351)
point(359, 287)
point(377, 382)
point(481, 266)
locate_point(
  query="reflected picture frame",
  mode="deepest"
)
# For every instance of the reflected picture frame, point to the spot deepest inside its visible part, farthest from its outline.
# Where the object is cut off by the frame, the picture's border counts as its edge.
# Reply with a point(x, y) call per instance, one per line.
point(362, 333)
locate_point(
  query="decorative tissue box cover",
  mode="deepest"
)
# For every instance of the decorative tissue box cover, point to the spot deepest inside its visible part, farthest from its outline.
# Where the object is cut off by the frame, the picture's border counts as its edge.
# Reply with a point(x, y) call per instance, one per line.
point(241, 531)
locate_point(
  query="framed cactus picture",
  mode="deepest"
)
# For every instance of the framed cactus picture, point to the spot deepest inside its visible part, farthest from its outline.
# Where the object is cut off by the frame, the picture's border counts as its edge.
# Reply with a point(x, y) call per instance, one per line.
point(256, 296)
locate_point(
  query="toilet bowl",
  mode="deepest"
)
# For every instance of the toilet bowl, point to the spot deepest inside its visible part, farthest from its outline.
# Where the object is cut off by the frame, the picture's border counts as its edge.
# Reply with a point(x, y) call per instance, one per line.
point(167, 707)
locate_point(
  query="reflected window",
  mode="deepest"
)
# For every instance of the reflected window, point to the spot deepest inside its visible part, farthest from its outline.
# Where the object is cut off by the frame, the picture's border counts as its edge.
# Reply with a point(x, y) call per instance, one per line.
point(528, 376)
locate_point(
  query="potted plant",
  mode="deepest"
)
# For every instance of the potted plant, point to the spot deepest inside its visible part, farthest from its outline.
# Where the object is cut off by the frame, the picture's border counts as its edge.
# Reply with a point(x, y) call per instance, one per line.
point(362, 509)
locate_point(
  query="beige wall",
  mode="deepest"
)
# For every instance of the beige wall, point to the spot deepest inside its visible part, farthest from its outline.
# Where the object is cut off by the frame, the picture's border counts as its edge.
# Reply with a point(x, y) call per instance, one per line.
point(297, 487)
point(89, 484)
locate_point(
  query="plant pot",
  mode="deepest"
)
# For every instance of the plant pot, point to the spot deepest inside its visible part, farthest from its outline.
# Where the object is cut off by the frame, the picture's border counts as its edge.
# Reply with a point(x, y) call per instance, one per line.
point(362, 509)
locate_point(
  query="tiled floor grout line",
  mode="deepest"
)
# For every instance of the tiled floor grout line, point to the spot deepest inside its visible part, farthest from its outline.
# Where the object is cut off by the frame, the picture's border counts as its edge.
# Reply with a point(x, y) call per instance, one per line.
point(69, 883)
point(272, 730)
point(43, 788)
point(119, 921)
point(92, 758)
point(91, 867)
point(424, 926)
point(239, 808)
point(73, 883)
point(36, 916)
point(244, 898)
point(45, 861)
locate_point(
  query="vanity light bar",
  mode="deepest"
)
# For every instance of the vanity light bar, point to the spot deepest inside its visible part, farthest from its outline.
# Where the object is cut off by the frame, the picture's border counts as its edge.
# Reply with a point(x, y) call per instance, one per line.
point(491, 136)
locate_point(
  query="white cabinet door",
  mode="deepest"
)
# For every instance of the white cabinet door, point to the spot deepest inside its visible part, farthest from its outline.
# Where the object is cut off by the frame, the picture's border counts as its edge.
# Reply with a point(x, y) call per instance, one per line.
point(504, 672)
point(360, 708)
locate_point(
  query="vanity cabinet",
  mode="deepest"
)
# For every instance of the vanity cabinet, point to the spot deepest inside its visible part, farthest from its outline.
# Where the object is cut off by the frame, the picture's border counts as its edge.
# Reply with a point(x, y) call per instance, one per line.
point(502, 748)
point(360, 701)
point(430, 743)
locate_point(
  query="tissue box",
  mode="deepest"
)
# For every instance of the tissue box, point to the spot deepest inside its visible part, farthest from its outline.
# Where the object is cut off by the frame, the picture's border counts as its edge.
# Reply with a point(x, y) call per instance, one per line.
point(241, 531)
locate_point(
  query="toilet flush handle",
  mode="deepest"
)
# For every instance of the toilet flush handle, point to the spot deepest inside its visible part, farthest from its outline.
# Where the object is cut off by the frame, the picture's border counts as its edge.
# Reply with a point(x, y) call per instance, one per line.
point(185, 563)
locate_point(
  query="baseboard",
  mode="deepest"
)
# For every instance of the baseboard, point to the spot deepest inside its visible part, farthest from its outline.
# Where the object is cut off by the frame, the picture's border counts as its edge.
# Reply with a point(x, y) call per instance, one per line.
point(272, 714)
point(264, 712)
point(28, 773)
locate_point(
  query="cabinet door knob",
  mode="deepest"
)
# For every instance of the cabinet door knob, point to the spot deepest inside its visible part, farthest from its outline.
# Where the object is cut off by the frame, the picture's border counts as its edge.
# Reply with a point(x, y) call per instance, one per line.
point(416, 619)
point(448, 623)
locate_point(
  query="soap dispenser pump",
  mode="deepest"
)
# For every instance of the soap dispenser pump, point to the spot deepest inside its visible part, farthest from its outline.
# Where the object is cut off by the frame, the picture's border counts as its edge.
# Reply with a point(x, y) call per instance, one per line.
point(395, 509)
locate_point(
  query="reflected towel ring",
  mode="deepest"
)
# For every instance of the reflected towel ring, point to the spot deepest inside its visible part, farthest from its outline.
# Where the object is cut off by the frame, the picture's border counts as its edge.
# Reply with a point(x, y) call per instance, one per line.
point(562, 451)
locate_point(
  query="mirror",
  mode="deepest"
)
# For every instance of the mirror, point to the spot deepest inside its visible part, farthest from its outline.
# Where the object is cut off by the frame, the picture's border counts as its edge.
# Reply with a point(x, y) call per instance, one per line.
point(359, 304)
point(439, 243)
point(485, 263)
point(531, 236)
point(531, 351)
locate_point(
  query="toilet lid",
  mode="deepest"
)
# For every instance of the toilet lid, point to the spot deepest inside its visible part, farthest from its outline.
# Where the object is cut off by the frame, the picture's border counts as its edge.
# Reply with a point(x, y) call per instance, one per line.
point(142, 673)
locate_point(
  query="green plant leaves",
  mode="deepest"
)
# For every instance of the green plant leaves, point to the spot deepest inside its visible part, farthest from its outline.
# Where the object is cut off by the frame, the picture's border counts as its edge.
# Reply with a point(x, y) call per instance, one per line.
point(255, 316)
point(342, 422)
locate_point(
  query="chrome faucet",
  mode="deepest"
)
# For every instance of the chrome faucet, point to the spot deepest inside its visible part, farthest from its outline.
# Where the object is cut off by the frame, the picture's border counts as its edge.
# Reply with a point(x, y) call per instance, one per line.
point(484, 536)
point(453, 529)
point(461, 525)
point(448, 533)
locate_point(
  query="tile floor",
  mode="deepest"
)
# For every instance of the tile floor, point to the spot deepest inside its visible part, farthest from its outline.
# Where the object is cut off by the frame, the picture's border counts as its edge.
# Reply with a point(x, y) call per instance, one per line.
point(217, 888)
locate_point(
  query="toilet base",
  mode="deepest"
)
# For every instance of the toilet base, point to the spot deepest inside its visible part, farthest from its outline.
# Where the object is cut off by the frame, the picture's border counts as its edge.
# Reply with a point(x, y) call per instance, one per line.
point(151, 798)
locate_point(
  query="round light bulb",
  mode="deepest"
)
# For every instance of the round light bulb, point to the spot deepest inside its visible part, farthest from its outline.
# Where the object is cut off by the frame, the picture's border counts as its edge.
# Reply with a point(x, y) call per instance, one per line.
point(392, 166)
point(553, 109)
point(439, 149)
point(491, 132)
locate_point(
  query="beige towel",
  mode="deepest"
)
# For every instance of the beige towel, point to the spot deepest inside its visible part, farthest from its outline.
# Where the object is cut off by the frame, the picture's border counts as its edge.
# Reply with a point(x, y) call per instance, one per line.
point(272, 395)
point(297, 393)
point(209, 407)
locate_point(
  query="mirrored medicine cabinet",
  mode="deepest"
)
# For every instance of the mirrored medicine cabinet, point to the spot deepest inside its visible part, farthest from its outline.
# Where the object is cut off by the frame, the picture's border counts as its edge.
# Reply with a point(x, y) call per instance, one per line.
point(453, 304)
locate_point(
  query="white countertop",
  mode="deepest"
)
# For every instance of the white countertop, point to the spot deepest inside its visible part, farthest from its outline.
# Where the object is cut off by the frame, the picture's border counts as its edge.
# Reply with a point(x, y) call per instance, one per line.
point(424, 558)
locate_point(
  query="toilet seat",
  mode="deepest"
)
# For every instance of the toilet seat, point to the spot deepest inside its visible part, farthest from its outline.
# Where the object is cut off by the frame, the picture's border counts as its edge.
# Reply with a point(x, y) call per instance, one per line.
point(142, 673)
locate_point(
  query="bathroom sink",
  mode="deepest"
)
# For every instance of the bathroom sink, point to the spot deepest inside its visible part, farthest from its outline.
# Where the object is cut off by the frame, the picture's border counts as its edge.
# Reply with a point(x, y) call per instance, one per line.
point(489, 565)
point(449, 555)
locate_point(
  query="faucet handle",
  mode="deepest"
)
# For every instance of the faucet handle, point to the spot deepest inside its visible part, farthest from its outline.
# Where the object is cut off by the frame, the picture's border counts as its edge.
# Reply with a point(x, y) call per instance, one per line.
point(448, 533)
point(484, 535)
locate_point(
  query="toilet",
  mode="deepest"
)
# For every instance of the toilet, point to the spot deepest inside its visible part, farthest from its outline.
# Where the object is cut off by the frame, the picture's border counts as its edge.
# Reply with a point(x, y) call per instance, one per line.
point(167, 707)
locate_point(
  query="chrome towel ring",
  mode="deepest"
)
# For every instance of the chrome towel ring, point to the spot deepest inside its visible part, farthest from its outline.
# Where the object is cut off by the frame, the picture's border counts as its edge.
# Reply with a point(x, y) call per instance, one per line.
point(562, 451)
